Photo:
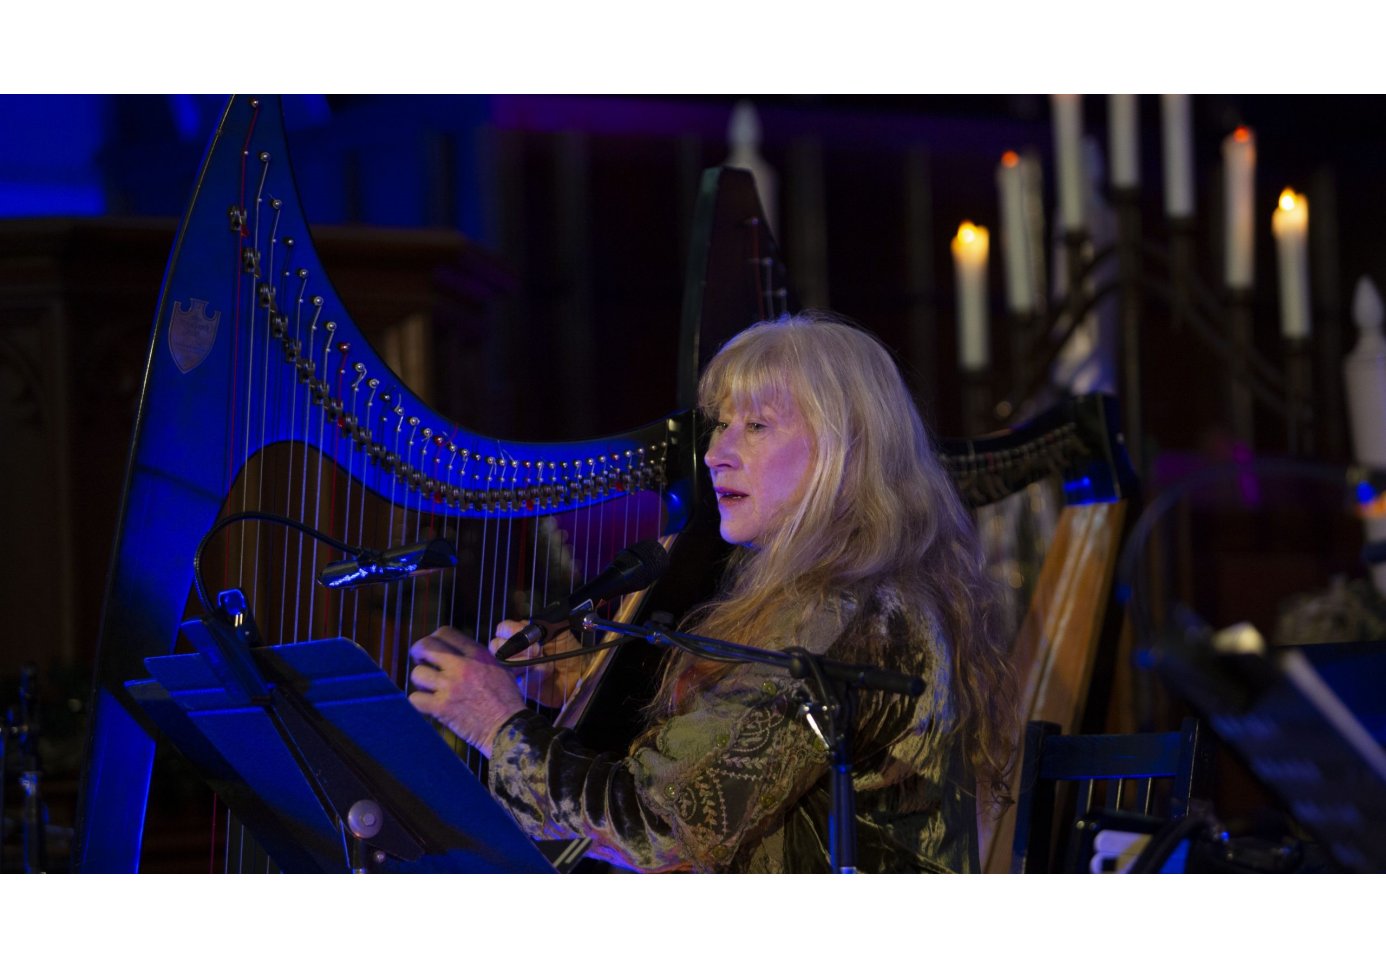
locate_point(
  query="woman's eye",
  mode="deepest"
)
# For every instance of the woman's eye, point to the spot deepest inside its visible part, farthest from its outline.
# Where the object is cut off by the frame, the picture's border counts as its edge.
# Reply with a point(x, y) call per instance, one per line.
point(753, 425)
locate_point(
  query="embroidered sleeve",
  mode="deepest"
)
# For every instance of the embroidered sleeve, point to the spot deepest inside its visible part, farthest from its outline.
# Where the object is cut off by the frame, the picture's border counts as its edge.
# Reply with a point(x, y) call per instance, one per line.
point(714, 776)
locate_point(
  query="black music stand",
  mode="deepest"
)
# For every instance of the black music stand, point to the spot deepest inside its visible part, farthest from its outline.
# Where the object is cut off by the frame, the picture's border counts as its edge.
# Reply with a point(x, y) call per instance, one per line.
point(1309, 721)
point(353, 737)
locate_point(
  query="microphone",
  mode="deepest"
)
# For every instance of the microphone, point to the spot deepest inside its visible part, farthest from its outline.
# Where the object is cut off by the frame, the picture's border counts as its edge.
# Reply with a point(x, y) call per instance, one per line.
point(634, 568)
point(370, 566)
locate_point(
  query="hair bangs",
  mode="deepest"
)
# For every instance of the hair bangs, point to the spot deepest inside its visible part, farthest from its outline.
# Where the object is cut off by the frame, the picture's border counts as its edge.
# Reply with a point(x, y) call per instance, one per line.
point(750, 371)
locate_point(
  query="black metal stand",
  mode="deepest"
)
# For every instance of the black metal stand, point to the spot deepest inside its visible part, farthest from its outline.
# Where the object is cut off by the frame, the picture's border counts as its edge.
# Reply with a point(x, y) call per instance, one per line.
point(836, 705)
point(832, 686)
point(229, 634)
point(322, 756)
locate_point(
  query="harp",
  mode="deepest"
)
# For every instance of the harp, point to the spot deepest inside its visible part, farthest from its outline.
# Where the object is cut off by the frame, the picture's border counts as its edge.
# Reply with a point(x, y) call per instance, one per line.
point(1069, 634)
point(262, 395)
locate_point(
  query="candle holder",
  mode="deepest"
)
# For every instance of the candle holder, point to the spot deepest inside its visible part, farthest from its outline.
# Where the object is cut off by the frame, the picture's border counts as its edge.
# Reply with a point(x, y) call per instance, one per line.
point(1299, 369)
point(1129, 270)
point(1181, 271)
point(1240, 405)
point(1045, 333)
point(1078, 250)
point(1026, 339)
point(977, 409)
point(1222, 323)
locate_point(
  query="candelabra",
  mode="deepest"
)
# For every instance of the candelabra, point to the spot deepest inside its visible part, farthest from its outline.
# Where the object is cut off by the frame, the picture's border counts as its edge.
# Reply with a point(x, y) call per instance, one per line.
point(1139, 271)
point(1223, 325)
point(1118, 286)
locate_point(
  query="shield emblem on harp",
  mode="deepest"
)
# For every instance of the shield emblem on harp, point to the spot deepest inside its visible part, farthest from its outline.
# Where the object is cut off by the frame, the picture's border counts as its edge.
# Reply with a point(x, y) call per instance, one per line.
point(191, 333)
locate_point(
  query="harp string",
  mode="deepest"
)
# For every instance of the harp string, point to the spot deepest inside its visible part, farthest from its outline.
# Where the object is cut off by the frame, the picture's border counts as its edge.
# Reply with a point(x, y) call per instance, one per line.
point(481, 596)
point(447, 585)
point(303, 479)
point(268, 306)
point(292, 408)
point(372, 385)
point(404, 630)
point(344, 349)
point(253, 269)
point(423, 601)
point(455, 474)
point(330, 329)
point(496, 585)
point(390, 398)
point(348, 417)
point(504, 590)
point(401, 589)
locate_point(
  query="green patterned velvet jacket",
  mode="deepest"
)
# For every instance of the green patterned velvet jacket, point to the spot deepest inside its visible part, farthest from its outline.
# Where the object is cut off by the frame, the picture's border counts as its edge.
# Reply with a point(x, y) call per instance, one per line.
point(738, 782)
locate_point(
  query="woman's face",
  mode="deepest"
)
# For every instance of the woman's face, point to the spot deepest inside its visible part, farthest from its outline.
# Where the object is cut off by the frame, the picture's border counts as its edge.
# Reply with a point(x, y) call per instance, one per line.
point(759, 458)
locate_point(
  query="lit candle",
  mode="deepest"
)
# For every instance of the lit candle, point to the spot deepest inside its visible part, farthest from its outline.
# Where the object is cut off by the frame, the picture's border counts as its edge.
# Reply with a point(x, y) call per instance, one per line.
point(1290, 225)
point(1123, 140)
point(1239, 174)
point(1068, 146)
point(1015, 246)
point(1178, 155)
point(970, 262)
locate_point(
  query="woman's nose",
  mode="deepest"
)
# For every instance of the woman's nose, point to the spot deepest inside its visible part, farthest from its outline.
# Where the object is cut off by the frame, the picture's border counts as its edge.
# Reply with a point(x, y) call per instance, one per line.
point(720, 452)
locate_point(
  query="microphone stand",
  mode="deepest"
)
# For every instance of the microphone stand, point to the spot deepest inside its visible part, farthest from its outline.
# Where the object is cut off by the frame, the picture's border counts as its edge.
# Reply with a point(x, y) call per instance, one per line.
point(833, 688)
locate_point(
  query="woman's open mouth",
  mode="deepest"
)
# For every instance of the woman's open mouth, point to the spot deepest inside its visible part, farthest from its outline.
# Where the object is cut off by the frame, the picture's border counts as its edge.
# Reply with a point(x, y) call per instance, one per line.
point(726, 495)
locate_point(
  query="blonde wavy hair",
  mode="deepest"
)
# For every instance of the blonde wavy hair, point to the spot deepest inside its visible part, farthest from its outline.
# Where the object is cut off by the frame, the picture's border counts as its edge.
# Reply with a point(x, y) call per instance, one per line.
point(877, 506)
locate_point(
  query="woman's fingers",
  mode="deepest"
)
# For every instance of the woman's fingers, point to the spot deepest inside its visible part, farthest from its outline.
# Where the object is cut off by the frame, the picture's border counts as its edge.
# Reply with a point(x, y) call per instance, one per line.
point(504, 631)
point(462, 686)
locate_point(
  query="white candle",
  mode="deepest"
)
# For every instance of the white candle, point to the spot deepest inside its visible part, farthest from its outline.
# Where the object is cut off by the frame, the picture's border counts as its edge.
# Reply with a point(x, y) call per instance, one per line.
point(1015, 245)
point(970, 262)
point(1178, 155)
point(1364, 375)
point(1032, 181)
point(1123, 140)
point(1290, 225)
point(1068, 147)
point(743, 140)
point(1239, 175)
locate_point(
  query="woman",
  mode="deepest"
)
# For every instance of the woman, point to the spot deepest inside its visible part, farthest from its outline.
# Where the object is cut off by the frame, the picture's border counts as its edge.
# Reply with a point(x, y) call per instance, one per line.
point(851, 543)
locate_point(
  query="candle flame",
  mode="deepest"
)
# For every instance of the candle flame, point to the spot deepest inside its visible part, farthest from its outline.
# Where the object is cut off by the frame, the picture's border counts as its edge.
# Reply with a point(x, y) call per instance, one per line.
point(1010, 159)
point(1288, 200)
point(1242, 134)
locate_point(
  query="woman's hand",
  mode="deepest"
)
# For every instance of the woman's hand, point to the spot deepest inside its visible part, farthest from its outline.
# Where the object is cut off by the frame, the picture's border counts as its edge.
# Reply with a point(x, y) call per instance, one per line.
point(550, 683)
point(460, 684)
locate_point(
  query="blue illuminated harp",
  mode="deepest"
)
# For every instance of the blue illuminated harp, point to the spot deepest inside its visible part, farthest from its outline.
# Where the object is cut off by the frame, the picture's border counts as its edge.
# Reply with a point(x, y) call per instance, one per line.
point(261, 394)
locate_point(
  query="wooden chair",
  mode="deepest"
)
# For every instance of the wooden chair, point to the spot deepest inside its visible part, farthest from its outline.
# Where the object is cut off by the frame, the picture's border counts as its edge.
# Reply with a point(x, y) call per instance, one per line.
point(1134, 781)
